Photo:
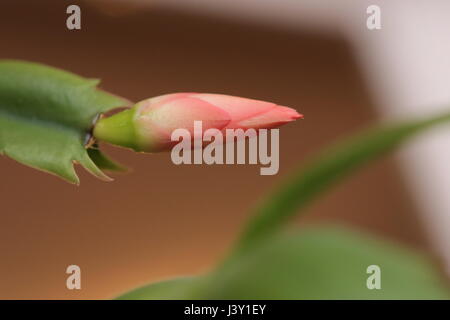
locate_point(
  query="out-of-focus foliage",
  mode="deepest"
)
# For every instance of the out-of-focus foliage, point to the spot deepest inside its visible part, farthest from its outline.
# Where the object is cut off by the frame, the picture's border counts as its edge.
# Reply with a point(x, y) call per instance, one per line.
point(45, 115)
point(325, 263)
point(333, 164)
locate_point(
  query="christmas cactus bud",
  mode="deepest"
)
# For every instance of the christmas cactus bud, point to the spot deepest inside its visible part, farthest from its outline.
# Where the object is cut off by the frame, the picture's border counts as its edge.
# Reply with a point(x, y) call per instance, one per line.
point(148, 125)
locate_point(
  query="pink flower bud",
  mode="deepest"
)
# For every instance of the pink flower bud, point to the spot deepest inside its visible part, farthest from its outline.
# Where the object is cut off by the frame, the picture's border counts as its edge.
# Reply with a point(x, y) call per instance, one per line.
point(154, 120)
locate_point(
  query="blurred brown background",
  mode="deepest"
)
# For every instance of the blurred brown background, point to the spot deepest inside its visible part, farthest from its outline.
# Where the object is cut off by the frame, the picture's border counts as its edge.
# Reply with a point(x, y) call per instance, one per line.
point(163, 220)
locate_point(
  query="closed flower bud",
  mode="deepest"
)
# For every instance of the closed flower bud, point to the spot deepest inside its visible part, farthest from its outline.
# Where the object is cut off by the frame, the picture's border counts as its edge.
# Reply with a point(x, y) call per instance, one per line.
point(149, 124)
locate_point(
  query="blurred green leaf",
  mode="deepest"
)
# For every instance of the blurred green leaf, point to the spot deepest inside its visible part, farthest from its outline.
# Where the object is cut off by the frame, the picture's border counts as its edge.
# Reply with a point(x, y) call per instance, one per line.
point(178, 289)
point(45, 115)
point(323, 263)
point(332, 165)
point(326, 264)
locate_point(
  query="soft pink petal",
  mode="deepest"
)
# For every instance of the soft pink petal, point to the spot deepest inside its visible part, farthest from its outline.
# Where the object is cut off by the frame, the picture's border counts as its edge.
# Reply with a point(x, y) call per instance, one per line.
point(238, 108)
point(182, 112)
point(273, 118)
